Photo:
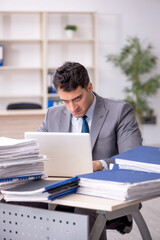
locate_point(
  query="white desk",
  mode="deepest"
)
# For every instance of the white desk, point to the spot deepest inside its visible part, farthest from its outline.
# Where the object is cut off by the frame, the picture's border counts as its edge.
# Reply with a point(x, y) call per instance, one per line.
point(106, 210)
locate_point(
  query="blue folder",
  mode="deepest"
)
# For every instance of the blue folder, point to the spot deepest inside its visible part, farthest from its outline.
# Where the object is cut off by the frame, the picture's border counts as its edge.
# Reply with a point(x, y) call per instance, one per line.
point(120, 184)
point(1, 55)
point(121, 176)
point(25, 177)
point(41, 190)
point(144, 154)
point(143, 158)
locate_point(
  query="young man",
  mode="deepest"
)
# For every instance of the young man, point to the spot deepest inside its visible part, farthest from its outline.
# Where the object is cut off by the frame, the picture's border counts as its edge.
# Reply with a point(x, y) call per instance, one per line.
point(112, 124)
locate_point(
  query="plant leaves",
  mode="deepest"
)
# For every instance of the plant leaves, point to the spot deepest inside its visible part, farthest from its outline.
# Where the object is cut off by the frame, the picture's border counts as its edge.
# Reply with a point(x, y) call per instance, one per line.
point(135, 61)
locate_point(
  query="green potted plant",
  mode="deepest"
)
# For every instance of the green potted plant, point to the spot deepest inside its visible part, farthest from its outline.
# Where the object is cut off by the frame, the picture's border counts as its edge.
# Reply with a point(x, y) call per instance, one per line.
point(70, 30)
point(136, 62)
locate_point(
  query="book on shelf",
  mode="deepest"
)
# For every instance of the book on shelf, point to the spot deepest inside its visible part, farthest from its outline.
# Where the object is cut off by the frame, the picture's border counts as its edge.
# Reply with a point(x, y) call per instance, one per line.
point(41, 190)
point(143, 158)
point(120, 184)
point(1, 54)
point(51, 88)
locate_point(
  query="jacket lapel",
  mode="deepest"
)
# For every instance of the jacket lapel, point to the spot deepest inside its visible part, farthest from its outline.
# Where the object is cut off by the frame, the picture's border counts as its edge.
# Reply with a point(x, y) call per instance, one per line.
point(99, 116)
point(64, 123)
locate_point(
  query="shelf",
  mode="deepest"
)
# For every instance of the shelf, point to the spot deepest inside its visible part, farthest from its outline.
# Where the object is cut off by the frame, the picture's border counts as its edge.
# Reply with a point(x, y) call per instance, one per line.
point(22, 112)
point(20, 40)
point(4, 68)
point(89, 68)
point(71, 13)
point(73, 40)
point(21, 96)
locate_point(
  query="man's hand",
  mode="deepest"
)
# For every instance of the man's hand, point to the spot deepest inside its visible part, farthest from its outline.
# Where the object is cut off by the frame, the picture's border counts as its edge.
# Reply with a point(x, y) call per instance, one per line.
point(97, 166)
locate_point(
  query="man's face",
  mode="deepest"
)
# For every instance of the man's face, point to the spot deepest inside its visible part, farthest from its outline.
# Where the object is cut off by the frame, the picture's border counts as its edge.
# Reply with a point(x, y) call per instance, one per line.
point(77, 101)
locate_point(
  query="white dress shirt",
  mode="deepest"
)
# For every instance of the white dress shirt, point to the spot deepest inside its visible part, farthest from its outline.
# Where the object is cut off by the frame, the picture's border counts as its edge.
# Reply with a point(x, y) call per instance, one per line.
point(76, 124)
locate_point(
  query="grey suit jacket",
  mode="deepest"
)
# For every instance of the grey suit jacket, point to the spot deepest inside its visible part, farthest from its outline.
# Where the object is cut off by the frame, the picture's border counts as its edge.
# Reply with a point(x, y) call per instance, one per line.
point(113, 130)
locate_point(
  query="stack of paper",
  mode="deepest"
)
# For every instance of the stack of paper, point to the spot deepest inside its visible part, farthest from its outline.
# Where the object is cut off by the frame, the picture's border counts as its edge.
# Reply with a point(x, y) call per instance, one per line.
point(142, 158)
point(19, 160)
point(41, 190)
point(120, 184)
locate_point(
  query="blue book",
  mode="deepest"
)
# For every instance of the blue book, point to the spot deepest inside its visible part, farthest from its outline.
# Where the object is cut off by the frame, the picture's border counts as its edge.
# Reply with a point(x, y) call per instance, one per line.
point(120, 184)
point(142, 158)
point(41, 190)
point(1, 55)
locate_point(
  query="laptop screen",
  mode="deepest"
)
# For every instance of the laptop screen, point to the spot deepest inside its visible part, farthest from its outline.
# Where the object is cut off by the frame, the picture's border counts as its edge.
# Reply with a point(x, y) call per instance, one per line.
point(69, 153)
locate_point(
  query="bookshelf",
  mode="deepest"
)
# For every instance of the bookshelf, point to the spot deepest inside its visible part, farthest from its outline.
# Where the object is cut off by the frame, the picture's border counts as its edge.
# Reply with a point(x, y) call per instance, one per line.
point(21, 36)
point(35, 44)
point(81, 48)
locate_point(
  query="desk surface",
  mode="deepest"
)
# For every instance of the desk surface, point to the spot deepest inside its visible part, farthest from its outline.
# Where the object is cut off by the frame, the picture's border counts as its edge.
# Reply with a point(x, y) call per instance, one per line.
point(96, 203)
point(103, 204)
point(91, 202)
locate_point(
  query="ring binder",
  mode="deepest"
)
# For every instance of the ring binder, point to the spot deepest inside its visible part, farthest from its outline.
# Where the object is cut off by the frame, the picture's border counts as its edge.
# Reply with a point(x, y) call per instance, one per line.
point(31, 177)
point(41, 190)
point(1, 55)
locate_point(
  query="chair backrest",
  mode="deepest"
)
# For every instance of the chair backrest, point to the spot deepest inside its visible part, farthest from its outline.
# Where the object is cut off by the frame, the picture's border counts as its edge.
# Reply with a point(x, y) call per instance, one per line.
point(14, 106)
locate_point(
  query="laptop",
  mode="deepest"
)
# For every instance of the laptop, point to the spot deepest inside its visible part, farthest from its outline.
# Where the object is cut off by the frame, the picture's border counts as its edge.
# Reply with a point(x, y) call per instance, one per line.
point(69, 153)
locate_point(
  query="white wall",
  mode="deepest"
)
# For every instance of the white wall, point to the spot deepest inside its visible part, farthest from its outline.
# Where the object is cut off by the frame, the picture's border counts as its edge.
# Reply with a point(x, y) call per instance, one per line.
point(117, 20)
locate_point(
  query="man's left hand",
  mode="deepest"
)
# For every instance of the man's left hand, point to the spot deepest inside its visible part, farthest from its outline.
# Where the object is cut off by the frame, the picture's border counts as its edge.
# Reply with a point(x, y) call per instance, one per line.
point(97, 166)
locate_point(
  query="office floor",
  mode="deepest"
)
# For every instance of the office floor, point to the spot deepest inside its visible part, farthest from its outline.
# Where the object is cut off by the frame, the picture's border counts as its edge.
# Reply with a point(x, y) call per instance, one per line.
point(151, 213)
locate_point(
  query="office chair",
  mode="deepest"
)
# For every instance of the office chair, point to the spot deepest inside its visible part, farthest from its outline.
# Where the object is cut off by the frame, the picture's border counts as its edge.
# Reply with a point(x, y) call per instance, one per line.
point(22, 105)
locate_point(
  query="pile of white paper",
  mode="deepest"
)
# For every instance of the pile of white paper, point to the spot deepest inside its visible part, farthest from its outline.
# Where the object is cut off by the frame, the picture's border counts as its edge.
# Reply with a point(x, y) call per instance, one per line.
point(19, 160)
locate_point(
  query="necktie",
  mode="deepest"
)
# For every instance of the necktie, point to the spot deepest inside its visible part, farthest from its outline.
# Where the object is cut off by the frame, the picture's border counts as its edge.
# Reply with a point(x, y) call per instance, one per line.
point(85, 128)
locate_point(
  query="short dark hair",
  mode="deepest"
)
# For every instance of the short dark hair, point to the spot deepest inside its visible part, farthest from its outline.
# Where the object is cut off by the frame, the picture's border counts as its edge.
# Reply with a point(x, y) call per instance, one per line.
point(70, 76)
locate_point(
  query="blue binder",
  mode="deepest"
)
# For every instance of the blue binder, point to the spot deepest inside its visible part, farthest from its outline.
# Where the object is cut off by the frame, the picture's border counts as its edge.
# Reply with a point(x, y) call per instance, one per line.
point(19, 178)
point(144, 158)
point(120, 184)
point(1, 55)
point(121, 176)
point(144, 154)
point(41, 190)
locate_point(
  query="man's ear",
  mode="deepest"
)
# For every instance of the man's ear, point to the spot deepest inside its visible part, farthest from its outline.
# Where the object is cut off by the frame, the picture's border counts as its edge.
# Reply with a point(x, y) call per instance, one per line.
point(90, 87)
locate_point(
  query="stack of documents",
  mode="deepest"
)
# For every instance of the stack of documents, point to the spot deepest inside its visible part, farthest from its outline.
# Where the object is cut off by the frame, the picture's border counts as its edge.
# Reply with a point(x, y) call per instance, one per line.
point(142, 158)
point(123, 185)
point(19, 160)
point(41, 190)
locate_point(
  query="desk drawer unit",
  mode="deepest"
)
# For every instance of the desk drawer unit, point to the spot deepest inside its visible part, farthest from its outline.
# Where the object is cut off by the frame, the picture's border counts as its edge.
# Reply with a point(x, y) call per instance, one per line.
point(28, 223)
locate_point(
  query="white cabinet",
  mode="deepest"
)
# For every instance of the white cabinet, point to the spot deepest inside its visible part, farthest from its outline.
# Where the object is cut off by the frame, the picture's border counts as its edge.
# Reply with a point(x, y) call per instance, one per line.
point(35, 44)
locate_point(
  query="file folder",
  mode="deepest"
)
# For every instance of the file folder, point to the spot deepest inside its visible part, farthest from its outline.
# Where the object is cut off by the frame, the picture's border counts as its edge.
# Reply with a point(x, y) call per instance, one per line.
point(142, 158)
point(1, 55)
point(120, 184)
point(41, 190)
